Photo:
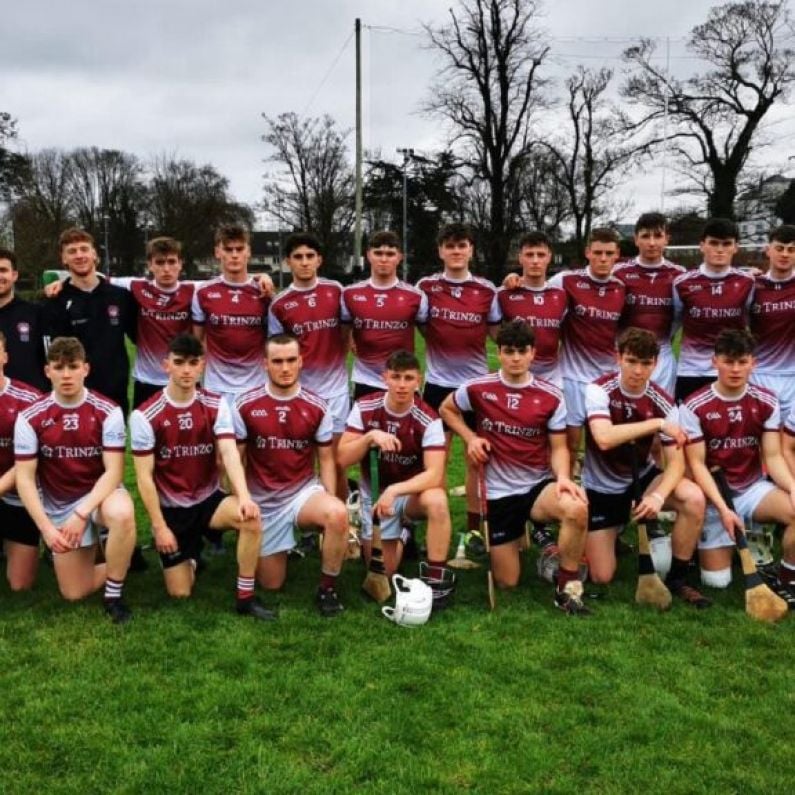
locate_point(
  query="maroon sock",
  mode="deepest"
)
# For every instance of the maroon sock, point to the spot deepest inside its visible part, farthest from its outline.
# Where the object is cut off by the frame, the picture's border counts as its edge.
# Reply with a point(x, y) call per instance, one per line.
point(785, 573)
point(328, 581)
point(566, 576)
point(436, 569)
point(473, 521)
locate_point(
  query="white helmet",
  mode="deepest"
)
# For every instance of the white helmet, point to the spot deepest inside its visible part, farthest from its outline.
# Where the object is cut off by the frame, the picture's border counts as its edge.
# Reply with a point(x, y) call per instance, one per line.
point(413, 602)
point(661, 554)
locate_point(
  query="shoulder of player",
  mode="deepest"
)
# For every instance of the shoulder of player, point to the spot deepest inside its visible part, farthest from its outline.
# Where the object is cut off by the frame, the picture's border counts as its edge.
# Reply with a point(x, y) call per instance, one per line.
point(659, 397)
point(322, 281)
point(312, 398)
point(608, 381)
point(480, 281)
point(546, 386)
point(38, 407)
point(762, 394)
point(372, 402)
point(245, 399)
point(483, 381)
point(700, 398)
point(22, 392)
point(100, 402)
point(422, 412)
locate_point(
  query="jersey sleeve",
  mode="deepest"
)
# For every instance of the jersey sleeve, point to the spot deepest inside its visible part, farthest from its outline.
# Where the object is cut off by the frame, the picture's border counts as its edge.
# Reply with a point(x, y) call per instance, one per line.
point(354, 423)
point(224, 427)
point(142, 435)
point(422, 310)
point(325, 431)
point(196, 311)
point(556, 280)
point(789, 423)
point(274, 324)
point(113, 431)
point(241, 433)
point(433, 438)
point(26, 443)
point(597, 402)
point(495, 311)
point(125, 282)
point(345, 313)
point(557, 422)
point(461, 398)
point(691, 425)
point(773, 422)
point(671, 417)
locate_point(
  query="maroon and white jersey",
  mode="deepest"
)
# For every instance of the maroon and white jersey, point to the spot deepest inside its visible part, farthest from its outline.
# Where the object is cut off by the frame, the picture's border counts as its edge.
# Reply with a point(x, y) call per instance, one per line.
point(731, 429)
point(383, 320)
point(69, 442)
point(789, 423)
point(610, 471)
point(181, 437)
point(542, 308)
point(706, 303)
point(281, 435)
point(162, 315)
point(772, 321)
point(459, 316)
point(313, 316)
point(517, 422)
point(649, 299)
point(589, 333)
point(418, 429)
point(15, 397)
point(235, 327)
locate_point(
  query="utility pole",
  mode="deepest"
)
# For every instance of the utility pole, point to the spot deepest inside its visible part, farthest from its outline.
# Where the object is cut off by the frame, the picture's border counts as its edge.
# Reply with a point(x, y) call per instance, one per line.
point(105, 220)
point(357, 229)
point(408, 154)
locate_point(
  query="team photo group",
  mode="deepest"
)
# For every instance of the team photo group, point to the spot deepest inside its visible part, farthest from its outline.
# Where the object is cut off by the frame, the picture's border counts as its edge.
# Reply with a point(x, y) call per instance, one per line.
point(244, 419)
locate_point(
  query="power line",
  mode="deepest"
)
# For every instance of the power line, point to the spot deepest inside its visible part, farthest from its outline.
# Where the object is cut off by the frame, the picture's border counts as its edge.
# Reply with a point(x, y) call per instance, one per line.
point(328, 73)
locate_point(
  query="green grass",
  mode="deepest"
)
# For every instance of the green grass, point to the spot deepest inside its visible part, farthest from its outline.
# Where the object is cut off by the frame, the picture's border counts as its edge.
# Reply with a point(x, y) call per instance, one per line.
point(191, 698)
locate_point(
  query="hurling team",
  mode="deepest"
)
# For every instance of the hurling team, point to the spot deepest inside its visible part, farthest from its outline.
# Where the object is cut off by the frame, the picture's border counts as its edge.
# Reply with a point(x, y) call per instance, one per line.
point(243, 421)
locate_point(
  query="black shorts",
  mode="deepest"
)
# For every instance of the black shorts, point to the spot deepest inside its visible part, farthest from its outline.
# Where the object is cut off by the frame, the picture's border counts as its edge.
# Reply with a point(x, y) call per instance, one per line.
point(613, 510)
point(16, 525)
point(360, 390)
point(434, 396)
point(508, 515)
point(188, 525)
point(142, 392)
point(687, 384)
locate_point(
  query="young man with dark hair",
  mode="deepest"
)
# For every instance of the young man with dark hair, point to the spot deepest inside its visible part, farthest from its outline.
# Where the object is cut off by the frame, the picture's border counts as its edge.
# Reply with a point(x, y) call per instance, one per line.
point(383, 313)
point(21, 324)
point(532, 299)
point(520, 442)
point(626, 411)
point(707, 300)
point(595, 302)
point(648, 281)
point(772, 319)
point(69, 452)
point(176, 436)
point(284, 428)
point(18, 531)
point(409, 435)
point(734, 425)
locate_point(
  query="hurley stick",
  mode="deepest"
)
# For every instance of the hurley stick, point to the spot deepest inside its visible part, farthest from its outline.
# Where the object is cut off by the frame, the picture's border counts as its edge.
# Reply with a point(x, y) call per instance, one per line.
point(376, 584)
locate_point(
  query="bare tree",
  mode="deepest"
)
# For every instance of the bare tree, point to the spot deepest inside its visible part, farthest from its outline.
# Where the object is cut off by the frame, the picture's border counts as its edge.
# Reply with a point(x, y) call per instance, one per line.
point(487, 89)
point(544, 201)
point(314, 192)
point(12, 164)
point(716, 115)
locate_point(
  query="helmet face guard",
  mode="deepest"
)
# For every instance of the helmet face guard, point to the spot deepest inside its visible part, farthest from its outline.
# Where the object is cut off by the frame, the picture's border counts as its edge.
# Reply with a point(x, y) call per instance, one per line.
point(413, 602)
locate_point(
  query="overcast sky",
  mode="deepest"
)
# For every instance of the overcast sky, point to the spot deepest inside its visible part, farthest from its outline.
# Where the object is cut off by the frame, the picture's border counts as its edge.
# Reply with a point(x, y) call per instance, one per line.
point(192, 77)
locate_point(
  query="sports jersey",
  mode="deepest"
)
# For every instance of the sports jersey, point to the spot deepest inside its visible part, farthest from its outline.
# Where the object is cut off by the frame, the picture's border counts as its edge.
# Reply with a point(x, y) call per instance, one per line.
point(706, 303)
point(589, 333)
point(418, 429)
point(542, 308)
point(731, 429)
point(281, 435)
point(516, 421)
point(649, 302)
point(459, 314)
point(383, 321)
point(21, 324)
point(99, 318)
point(234, 319)
point(181, 436)
point(15, 397)
point(69, 442)
point(772, 321)
point(162, 315)
point(312, 315)
point(789, 423)
point(610, 471)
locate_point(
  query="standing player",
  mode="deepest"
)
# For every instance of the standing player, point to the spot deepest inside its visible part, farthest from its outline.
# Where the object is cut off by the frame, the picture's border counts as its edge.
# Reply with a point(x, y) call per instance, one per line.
point(462, 311)
point(410, 436)
point(707, 300)
point(542, 306)
point(18, 531)
point(773, 319)
point(595, 301)
point(648, 281)
point(520, 440)
point(21, 324)
point(176, 436)
point(229, 315)
point(734, 425)
point(70, 445)
point(383, 313)
point(625, 410)
point(309, 309)
point(284, 428)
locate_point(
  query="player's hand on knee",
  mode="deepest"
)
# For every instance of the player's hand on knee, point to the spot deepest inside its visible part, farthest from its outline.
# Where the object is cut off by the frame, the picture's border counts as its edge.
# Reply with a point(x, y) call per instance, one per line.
point(54, 540)
point(72, 530)
point(731, 523)
point(247, 510)
point(165, 540)
point(478, 450)
point(386, 503)
point(649, 506)
point(385, 442)
point(568, 486)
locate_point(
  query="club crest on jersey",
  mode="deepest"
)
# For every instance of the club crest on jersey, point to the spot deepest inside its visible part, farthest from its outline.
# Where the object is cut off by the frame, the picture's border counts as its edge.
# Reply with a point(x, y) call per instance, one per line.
point(113, 314)
point(456, 292)
point(23, 329)
point(486, 424)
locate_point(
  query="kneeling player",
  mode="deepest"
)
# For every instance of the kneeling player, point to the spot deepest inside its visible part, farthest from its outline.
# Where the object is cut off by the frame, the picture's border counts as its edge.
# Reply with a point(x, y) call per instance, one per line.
point(520, 440)
point(409, 434)
point(174, 439)
point(283, 427)
point(70, 444)
point(625, 412)
point(734, 425)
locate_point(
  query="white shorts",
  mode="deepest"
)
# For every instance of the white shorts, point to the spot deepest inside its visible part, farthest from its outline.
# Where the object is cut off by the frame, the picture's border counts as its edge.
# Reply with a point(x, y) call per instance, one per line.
point(391, 526)
point(782, 386)
point(278, 527)
point(664, 374)
point(574, 392)
point(339, 407)
point(714, 535)
point(93, 527)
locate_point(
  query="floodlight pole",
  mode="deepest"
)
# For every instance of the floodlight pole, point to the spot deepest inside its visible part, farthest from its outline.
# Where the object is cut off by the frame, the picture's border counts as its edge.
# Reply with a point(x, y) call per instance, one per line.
point(357, 222)
point(408, 154)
